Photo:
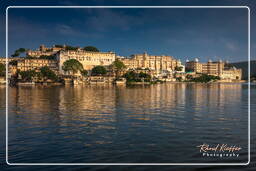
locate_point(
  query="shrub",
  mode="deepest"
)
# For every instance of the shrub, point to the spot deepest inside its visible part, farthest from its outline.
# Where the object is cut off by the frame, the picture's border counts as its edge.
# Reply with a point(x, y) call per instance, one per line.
point(99, 70)
point(137, 77)
point(48, 73)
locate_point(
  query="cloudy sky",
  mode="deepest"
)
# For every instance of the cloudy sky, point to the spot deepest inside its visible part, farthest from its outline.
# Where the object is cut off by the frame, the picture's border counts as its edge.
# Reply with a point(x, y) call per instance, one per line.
point(183, 33)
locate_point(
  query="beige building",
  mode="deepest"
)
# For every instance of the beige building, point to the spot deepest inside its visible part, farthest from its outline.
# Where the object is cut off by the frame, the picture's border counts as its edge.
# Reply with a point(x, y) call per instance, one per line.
point(214, 68)
point(12, 69)
point(44, 51)
point(86, 58)
point(2, 60)
point(35, 64)
point(194, 66)
point(155, 63)
point(9, 59)
point(232, 74)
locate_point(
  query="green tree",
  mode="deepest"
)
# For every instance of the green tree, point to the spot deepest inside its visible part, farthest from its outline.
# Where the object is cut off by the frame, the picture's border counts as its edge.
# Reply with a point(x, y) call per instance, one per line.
point(58, 46)
point(15, 54)
point(144, 76)
point(22, 50)
point(189, 77)
point(48, 73)
point(52, 57)
point(130, 76)
point(91, 48)
point(118, 66)
point(84, 73)
point(99, 70)
point(137, 77)
point(178, 68)
point(71, 48)
point(73, 66)
point(18, 52)
point(204, 78)
point(27, 75)
point(2, 70)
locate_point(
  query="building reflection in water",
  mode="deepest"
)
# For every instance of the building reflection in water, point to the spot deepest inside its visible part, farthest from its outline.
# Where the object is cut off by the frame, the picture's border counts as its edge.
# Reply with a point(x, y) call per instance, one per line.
point(100, 102)
point(106, 122)
point(102, 107)
point(217, 96)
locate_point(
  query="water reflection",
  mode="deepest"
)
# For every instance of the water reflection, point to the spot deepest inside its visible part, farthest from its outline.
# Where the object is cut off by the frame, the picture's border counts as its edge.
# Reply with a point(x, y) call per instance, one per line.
point(97, 101)
point(128, 124)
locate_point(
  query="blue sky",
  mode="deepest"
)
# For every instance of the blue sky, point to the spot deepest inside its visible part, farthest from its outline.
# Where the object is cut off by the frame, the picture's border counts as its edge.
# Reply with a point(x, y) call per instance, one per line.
point(182, 33)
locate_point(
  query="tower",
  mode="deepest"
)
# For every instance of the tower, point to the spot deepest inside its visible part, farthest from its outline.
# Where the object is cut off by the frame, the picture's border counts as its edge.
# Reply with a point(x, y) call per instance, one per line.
point(42, 48)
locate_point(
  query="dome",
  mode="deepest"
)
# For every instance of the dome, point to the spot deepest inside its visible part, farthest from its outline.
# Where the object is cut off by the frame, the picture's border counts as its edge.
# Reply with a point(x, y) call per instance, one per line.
point(196, 60)
point(209, 60)
point(187, 60)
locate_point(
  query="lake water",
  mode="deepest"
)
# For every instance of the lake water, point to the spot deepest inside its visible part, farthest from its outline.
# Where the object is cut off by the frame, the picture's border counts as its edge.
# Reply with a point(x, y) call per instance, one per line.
point(161, 123)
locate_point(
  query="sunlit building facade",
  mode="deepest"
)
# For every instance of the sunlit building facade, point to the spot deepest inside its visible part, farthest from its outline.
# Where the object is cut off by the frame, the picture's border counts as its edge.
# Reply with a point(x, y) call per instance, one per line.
point(35, 64)
point(86, 58)
point(216, 68)
point(152, 62)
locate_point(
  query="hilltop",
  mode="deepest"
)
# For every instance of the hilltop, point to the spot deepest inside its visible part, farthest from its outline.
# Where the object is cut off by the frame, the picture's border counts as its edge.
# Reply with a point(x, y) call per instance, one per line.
point(244, 66)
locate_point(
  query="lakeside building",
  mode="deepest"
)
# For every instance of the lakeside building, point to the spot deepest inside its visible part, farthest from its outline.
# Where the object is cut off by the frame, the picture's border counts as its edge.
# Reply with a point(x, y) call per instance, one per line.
point(9, 59)
point(158, 64)
point(216, 68)
point(86, 58)
point(44, 51)
point(232, 74)
point(12, 69)
point(35, 64)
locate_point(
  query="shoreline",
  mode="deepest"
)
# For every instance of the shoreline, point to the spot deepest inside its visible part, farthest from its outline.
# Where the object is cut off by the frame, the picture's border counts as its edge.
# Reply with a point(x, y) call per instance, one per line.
point(27, 84)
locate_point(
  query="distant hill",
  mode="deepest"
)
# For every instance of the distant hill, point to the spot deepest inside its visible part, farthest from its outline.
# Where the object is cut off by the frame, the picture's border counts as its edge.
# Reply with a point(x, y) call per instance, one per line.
point(244, 66)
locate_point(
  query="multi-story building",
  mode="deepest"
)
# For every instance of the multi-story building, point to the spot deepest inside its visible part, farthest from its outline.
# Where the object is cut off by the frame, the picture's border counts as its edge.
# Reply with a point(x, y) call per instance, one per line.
point(213, 68)
point(194, 66)
point(9, 59)
point(2, 60)
point(152, 62)
point(86, 58)
point(35, 64)
point(44, 51)
point(12, 67)
point(232, 74)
